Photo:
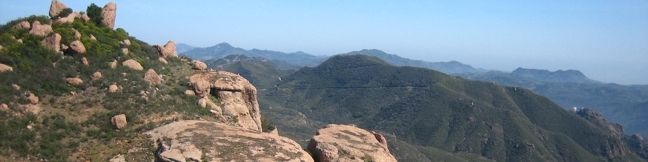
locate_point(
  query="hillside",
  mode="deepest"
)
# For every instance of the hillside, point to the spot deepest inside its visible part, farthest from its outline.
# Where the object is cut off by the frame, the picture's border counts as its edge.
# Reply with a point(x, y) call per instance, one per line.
point(619, 103)
point(430, 113)
point(450, 67)
point(263, 73)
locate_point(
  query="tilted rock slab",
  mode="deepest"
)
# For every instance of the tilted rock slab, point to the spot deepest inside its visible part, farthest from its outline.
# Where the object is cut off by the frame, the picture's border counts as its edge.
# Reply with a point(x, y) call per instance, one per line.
point(197, 140)
point(109, 13)
point(349, 143)
point(236, 94)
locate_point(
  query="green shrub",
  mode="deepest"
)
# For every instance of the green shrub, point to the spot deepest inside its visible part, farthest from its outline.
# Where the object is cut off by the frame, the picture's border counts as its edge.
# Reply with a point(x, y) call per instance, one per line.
point(65, 12)
point(94, 12)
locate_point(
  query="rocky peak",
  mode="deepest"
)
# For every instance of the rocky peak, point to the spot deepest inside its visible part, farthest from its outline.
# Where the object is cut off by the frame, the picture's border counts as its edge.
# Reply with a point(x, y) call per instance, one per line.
point(56, 7)
point(109, 13)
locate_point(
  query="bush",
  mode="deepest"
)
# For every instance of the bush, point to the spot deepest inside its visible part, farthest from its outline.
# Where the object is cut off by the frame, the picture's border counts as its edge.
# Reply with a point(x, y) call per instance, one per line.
point(94, 12)
point(65, 12)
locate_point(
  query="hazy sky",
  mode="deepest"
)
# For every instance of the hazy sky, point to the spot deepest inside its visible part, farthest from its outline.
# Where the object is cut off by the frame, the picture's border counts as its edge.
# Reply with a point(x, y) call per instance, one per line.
point(606, 39)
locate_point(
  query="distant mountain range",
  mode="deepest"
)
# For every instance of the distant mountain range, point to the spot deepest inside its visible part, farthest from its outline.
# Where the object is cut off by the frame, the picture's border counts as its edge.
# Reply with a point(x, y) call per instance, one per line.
point(224, 49)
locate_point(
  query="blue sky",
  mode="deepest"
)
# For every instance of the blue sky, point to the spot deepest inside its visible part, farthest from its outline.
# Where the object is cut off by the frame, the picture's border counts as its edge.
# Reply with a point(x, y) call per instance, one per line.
point(606, 39)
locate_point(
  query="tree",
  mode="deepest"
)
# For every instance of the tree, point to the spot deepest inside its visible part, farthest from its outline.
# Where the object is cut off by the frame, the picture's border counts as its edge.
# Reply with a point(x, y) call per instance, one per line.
point(94, 12)
point(65, 12)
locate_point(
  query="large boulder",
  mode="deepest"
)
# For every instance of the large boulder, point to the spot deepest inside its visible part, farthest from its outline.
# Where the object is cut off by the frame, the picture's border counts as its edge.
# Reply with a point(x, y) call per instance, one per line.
point(67, 19)
point(109, 13)
point(78, 47)
point(349, 143)
point(32, 98)
point(168, 50)
point(55, 8)
point(236, 94)
point(192, 140)
point(5, 68)
point(132, 64)
point(52, 42)
point(152, 78)
point(119, 121)
point(39, 29)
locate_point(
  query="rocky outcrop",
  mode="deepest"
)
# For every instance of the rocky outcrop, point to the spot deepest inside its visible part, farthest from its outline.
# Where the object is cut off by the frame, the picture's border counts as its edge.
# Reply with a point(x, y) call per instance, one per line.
point(152, 78)
point(39, 29)
point(349, 143)
point(132, 64)
point(108, 14)
point(168, 50)
point(55, 8)
point(75, 81)
point(237, 96)
point(23, 25)
point(67, 19)
point(192, 140)
point(5, 68)
point(52, 42)
point(119, 121)
point(199, 65)
point(77, 47)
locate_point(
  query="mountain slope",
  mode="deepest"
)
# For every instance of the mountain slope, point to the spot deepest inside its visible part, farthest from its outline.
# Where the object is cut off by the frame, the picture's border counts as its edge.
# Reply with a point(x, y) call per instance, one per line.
point(425, 108)
point(261, 72)
point(451, 67)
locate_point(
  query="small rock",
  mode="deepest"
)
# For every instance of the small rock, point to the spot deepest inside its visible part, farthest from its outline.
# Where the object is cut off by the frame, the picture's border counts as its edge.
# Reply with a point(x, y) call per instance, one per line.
point(68, 19)
point(132, 64)
point(84, 17)
point(162, 60)
point(77, 35)
point(118, 158)
point(23, 25)
point(96, 76)
point(78, 47)
point(125, 43)
point(108, 13)
point(84, 61)
point(119, 121)
point(15, 87)
point(52, 42)
point(32, 98)
point(190, 92)
point(75, 81)
point(19, 41)
point(39, 29)
point(92, 37)
point(202, 102)
point(113, 88)
point(4, 107)
point(113, 64)
point(199, 65)
point(5, 68)
point(152, 77)
point(125, 51)
point(64, 47)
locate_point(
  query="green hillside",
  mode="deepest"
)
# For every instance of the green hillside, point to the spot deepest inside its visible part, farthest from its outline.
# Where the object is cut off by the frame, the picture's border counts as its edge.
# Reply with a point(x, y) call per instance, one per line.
point(439, 114)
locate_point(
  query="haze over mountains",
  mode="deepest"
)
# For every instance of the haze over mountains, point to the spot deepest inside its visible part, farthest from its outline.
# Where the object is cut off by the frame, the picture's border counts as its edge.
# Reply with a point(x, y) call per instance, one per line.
point(623, 104)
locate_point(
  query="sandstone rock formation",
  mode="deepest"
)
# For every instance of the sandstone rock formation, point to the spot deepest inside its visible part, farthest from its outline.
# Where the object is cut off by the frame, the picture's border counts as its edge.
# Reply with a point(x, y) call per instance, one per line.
point(109, 13)
point(39, 29)
point(119, 121)
point(152, 78)
point(168, 50)
point(192, 140)
point(23, 25)
point(199, 65)
point(237, 96)
point(349, 143)
point(77, 47)
point(132, 64)
point(96, 76)
point(55, 8)
point(52, 42)
point(5, 68)
point(75, 81)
